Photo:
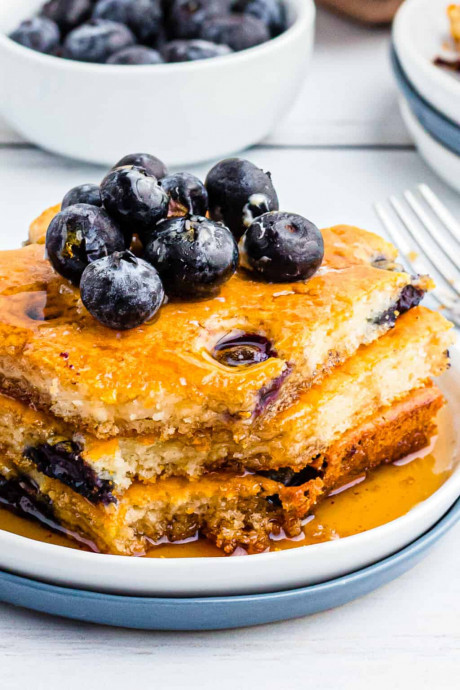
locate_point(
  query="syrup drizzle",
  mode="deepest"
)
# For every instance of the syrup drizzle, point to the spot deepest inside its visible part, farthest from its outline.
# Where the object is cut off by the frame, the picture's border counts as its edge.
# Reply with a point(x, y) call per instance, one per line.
point(243, 349)
point(385, 494)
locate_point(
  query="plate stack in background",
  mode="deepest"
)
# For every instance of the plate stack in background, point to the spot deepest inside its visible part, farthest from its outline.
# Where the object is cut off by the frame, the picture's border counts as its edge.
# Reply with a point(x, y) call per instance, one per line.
point(429, 92)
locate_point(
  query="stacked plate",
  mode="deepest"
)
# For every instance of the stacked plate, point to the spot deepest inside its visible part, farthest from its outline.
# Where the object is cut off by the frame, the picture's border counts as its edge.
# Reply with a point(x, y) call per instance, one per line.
point(215, 593)
point(429, 94)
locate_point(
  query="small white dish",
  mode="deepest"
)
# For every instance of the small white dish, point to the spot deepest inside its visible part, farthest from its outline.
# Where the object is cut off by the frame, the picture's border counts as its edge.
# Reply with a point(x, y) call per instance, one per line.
point(268, 572)
point(183, 112)
point(442, 160)
point(420, 30)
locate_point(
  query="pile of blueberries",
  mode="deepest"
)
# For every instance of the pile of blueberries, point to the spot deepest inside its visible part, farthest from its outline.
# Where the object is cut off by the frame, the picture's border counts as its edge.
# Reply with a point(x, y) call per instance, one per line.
point(146, 32)
point(144, 236)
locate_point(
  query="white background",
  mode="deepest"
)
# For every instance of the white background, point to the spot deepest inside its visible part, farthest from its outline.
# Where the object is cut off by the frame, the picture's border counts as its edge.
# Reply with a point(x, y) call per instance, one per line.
point(342, 147)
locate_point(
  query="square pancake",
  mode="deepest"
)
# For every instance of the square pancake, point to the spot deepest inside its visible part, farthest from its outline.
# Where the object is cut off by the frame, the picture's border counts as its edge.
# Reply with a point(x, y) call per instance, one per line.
point(230, 509)
point(172, 375)
point(377, 375)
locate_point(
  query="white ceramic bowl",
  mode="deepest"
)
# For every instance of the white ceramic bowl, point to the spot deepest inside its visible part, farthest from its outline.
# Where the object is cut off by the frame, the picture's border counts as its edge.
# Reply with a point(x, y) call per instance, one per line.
point(420, 29)
point(442, 160)
point(183, 112)
point(240, 575)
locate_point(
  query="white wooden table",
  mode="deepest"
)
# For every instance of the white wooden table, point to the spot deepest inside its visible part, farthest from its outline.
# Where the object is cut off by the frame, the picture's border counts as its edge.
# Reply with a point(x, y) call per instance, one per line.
point(342, 147)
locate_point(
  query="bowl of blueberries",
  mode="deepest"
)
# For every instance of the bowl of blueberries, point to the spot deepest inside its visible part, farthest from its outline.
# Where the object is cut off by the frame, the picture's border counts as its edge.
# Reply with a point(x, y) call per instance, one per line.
point(146, 236)
point(191, 79)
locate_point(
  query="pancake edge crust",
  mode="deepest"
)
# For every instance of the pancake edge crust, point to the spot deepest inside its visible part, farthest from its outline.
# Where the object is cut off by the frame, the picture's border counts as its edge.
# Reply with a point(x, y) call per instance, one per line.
point(231, 510)
point(163, 377)
point(383, 372)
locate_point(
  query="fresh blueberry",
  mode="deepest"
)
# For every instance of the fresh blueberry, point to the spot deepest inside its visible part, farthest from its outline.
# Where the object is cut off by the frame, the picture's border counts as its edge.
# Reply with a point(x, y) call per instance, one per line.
point(135, 200)
point(144, 17)
point(121, 291)
point(82, 194)
point(193, 256)
point(115, 10)
point(152, 165)
point(183, 50)
point(185, 17)
point(68, 14)
point(271, 12)
point(239, 31)
point(97, 40)
point(136, 55)
point(38, 33)
point(238, 192)
point(78, 236)
point(187, 194)
point(282, 247)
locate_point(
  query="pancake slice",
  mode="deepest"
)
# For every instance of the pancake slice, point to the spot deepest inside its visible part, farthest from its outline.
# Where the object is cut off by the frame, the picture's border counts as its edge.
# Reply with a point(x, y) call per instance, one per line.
point(183, 372)
point(230, 509)
point(376, 376)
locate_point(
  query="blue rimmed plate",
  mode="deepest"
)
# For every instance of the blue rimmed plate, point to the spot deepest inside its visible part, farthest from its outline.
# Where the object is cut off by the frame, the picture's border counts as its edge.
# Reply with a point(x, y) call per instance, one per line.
point(441, 159)
point(433, 121)
point(262, 573)
point(420, 33)
point(217, 613)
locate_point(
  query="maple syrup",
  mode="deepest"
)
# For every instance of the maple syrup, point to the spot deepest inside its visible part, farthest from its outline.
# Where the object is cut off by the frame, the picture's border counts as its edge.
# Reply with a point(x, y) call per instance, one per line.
point(385, 494)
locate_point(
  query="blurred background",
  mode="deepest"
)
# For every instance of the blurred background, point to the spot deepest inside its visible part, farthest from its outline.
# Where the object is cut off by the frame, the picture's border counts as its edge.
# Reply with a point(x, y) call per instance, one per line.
point(341, 146)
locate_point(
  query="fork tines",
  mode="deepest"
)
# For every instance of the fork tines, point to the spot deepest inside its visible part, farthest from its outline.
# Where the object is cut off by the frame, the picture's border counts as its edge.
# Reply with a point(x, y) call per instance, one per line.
point(427, 237)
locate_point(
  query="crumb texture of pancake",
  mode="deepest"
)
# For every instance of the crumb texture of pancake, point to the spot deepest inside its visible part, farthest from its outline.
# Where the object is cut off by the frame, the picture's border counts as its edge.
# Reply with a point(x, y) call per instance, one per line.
point(230, 509)
point(163, 377)
point(381, 373)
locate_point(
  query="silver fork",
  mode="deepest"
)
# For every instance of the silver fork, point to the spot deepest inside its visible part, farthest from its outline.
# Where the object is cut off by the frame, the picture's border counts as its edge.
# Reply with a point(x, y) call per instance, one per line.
point(427, 237)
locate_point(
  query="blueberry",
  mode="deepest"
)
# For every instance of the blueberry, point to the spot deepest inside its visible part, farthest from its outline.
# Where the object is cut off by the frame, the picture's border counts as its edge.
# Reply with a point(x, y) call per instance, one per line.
point(187, 194)
point(135, 200)
point(238, 192)
point(410, 297)
point(243, 349)
point(38, 33)
point(115, 10)
point(62, 460)
point(282, 247)
point(68, 14)
point(271, 12)
point(96, 40)
point(239, 31)
point(183, 51)
point(82, 194)
point(135, 55)
point(152, 165)
point(121, 291)
point(185, 17)
point(193, 256)
point(78, 236)
point(144, 17)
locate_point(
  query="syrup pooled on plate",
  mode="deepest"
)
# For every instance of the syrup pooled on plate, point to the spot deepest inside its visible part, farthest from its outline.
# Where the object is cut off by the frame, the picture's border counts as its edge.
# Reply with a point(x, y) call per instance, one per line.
point(385, 494)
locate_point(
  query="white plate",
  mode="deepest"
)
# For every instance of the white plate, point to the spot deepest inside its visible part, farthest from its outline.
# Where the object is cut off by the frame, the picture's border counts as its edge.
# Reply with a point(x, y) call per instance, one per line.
point(441, 159)
point(241, 575)
point(420, 29)
point(185, 112)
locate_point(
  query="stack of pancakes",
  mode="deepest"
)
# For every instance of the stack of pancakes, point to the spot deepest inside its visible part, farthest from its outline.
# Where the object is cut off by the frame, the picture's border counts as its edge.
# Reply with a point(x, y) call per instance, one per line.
point(230, 417)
